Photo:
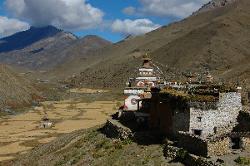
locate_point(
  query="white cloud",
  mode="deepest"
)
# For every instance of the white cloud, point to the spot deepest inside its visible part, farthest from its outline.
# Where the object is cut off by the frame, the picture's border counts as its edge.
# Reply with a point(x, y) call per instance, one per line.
point(65, 14)
point(133, 27)
point(175, 8)
point(10, 26)
point(129, 10)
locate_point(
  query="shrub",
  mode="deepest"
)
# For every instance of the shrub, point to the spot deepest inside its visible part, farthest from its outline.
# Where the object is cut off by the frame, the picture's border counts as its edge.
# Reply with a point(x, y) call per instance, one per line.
point(243, 160)
point(127, 141)
point(181, 154)
point(118, 145)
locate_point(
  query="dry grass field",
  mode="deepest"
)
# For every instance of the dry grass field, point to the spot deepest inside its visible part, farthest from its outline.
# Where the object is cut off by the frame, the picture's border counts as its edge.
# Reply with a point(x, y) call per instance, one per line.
point(20, 133)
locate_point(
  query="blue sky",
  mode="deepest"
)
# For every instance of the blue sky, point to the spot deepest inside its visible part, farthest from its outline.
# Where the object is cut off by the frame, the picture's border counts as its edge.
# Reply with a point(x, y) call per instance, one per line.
point(110, 19)
point(113, 10)
point(1, 7)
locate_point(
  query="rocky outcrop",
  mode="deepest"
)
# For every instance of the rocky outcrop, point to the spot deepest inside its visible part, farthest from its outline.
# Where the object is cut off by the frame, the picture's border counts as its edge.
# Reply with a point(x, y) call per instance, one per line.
point(114, 129)
point(214, 4)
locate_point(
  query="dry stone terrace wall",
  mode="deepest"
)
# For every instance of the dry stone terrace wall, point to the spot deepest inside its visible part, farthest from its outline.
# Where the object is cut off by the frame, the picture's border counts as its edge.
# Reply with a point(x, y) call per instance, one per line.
point(204, 147)
point(115, 129)
point(218, 147)
point(192, 144)
point(245, 143)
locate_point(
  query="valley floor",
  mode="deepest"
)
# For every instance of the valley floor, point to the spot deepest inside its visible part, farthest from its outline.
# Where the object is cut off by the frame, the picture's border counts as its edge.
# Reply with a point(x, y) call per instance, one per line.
point(20, 133)
point(76, 137)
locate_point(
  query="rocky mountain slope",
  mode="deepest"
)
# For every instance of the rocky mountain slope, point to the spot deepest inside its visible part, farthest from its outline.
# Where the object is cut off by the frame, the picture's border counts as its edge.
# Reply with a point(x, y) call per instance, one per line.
point(216, 40)
point(15, 91)
point(214, 4)
point(45, 47)
point(82, 55)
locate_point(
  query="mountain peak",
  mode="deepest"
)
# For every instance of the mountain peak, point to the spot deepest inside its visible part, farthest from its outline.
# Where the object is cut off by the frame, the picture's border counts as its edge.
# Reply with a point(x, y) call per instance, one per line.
point(27, 37)
point(91, 37)
point(48, 28)
point(94, 38)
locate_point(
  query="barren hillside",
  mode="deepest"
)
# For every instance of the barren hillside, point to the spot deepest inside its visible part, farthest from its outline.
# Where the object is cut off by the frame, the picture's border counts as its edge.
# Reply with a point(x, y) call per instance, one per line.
point(216, 40)
point(80, 56)
point(15, 91)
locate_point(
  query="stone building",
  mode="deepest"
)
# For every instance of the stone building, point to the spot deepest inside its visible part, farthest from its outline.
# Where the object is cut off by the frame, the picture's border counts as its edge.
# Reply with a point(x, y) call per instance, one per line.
point(199, 117)
point(220, 119)
point(45, 122)
point(202, 111)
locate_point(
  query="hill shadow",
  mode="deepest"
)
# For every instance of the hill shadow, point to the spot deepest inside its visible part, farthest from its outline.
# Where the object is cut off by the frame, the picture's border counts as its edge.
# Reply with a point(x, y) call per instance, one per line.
point(23, 39)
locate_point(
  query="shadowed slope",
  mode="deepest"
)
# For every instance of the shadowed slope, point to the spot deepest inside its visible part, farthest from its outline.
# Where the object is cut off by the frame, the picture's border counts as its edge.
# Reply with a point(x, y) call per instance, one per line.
point(23, 39)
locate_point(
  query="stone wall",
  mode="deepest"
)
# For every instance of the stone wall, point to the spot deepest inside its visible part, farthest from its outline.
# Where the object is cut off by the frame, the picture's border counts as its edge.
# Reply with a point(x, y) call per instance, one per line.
point(178, 154)
point(212, 121)
point(230, 100)
point(245, 143)
point(218, 147)
point(219, 121)
point(168, 117)
point(204, 147)
point(181, 120)
point(192, 144)
point(248, 97)
point(114, 129)
point(243, 122)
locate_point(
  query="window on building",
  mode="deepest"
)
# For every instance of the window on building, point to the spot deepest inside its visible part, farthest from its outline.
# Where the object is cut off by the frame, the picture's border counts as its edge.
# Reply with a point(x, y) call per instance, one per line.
point(197, 132)
point(235, 143)
point(199, 119)
point(215, 130)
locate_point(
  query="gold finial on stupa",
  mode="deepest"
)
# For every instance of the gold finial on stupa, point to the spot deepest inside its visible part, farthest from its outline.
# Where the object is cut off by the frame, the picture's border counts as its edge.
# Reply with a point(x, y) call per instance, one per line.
point(146, 61)
point(146, 57)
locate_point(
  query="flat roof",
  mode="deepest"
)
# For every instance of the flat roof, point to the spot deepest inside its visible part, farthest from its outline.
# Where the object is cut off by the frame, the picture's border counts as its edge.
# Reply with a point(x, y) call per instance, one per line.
point(202, 93)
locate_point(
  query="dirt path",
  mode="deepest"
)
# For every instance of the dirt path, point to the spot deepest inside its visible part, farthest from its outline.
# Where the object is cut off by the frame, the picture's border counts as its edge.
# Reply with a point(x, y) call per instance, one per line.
point(20, 133)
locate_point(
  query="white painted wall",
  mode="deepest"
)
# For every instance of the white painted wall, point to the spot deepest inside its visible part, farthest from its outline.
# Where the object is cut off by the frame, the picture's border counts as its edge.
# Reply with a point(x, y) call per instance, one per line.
point(224, 118)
